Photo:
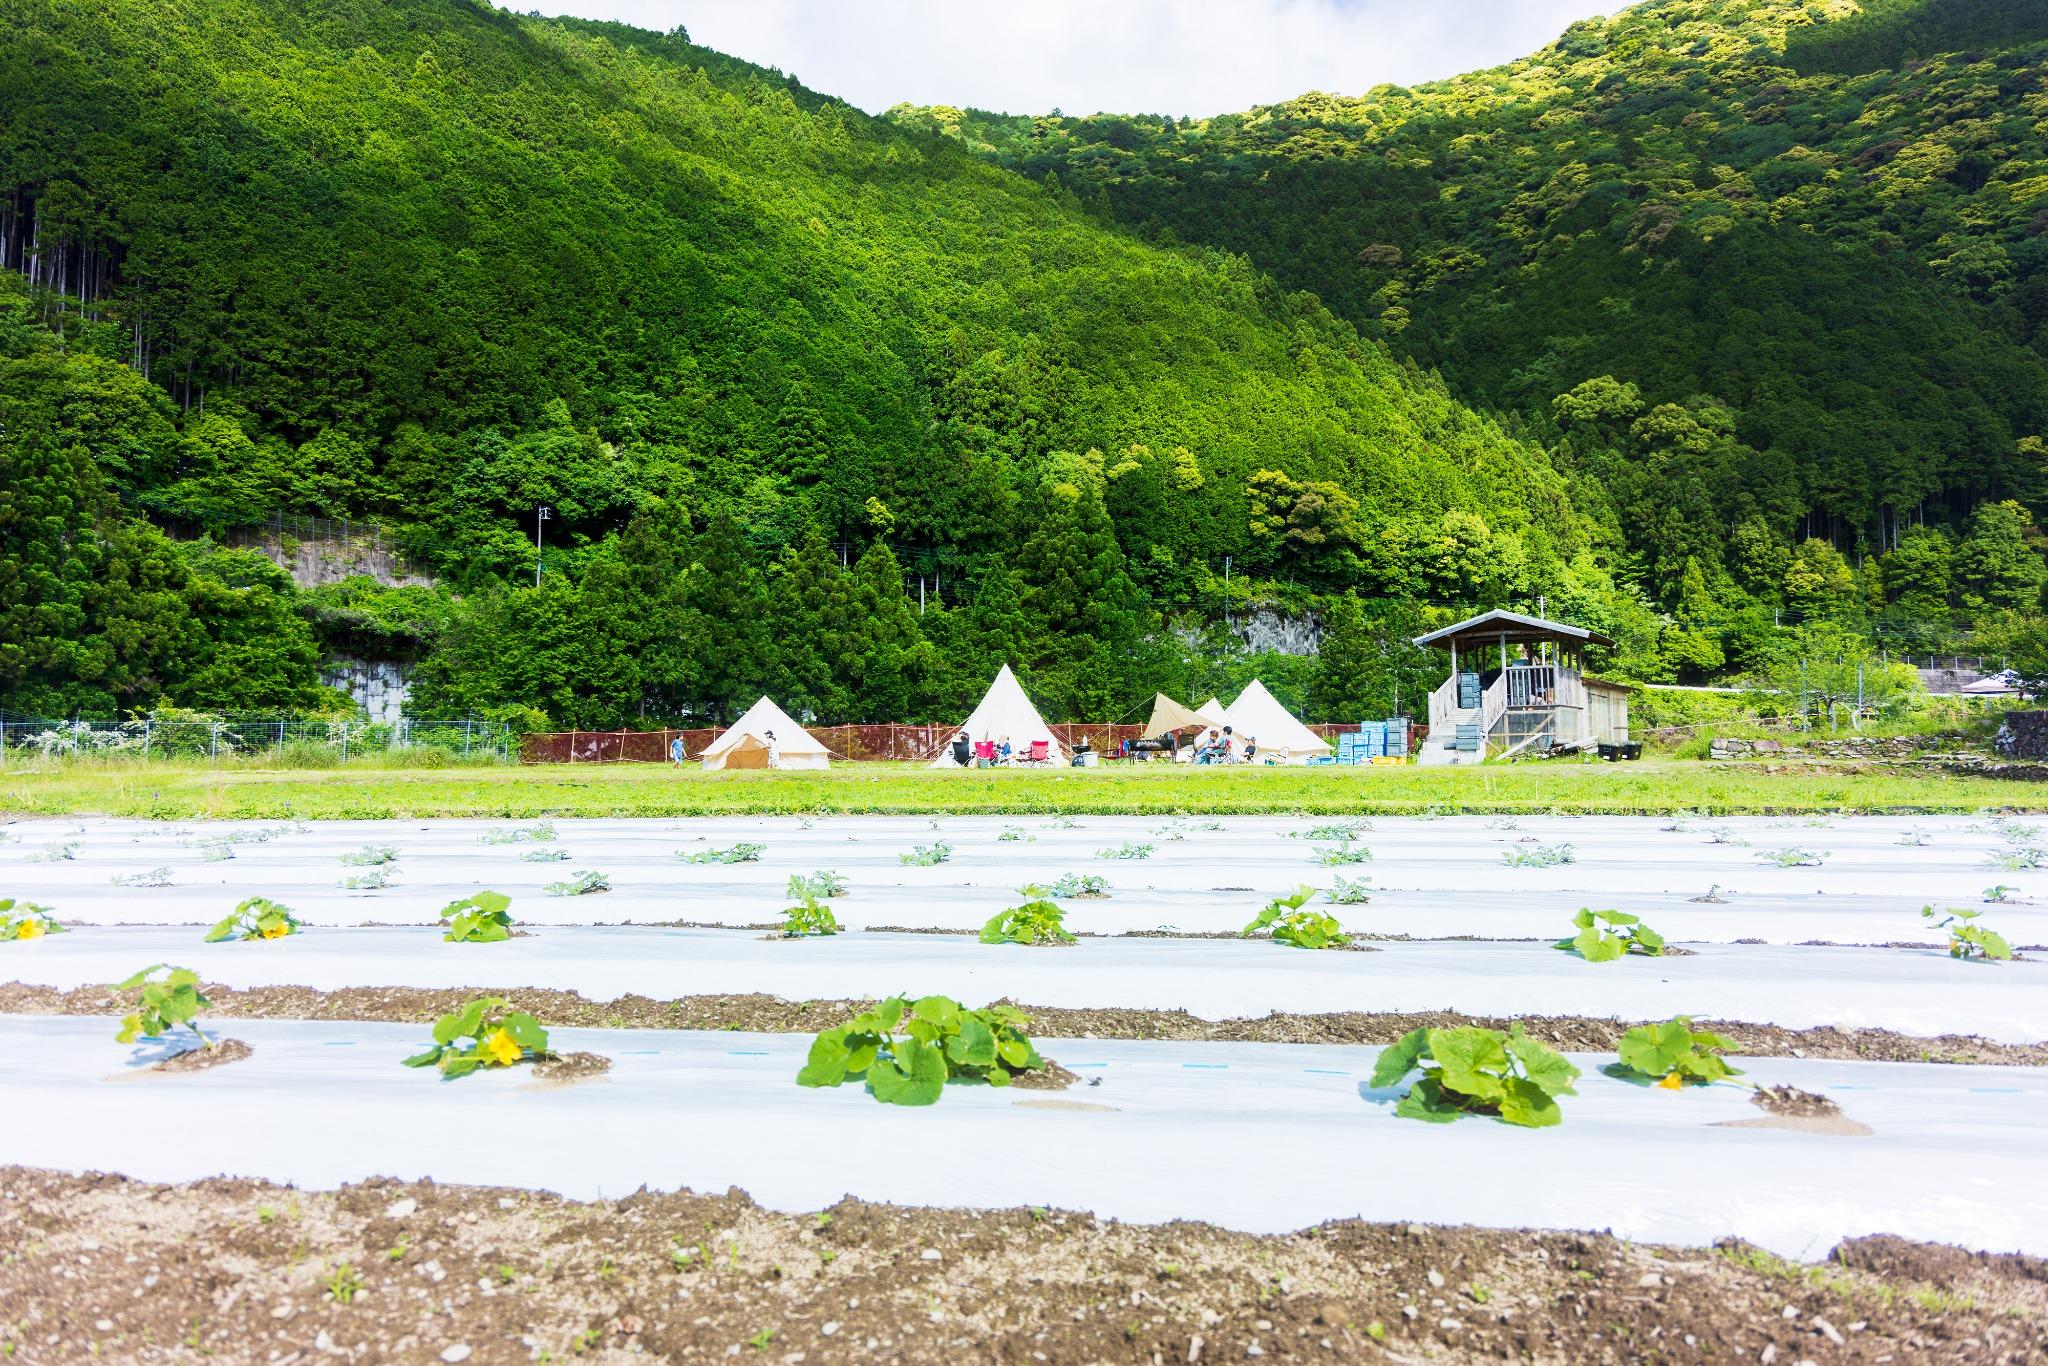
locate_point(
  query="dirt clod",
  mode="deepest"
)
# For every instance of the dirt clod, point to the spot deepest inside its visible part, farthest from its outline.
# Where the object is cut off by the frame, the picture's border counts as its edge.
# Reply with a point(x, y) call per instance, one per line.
point(1792, 1102)
point(199, 1059)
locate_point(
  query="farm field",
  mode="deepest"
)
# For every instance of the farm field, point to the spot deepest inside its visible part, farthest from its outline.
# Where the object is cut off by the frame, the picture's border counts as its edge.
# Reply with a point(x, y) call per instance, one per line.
point(246, 790)
point(1196, 1058)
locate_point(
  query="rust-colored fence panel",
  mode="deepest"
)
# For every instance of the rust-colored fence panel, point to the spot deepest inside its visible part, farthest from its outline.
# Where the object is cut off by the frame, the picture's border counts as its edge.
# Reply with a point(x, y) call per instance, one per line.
point(861, 744)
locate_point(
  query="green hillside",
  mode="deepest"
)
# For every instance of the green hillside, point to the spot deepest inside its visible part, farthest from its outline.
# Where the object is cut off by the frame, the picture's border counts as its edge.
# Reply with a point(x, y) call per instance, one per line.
point(434, 263)
point(1796, 251)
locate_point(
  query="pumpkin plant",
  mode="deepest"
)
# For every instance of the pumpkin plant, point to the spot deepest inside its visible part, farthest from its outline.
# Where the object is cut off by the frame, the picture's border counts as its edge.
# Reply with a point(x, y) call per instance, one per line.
point(1089, 886)
point(485, 1033)
point(1542, 856)
point(808, 917)
point(1965, 940)
point(540, 832)
point(1350, 891)
point(26, 920)
point(481, 918)
point(1292, 925)
point(583, 884)
point(823, 883)
point(1127, 850)
point(1038, 921)
point(908, 1050)
point(170, 999)
point(1477, 1071)
point(370, 855)
point(739, 853)
point(257, 918)
point(926, 855)
point(1672, 1055)
point(1606, 935)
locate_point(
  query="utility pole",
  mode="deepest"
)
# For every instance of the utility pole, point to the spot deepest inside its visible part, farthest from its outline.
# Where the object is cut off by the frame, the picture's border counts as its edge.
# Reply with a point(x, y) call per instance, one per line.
point(544, 514)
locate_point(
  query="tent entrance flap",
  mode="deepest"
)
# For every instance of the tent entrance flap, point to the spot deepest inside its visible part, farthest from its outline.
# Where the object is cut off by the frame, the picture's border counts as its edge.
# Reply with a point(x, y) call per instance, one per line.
point(1167, 715)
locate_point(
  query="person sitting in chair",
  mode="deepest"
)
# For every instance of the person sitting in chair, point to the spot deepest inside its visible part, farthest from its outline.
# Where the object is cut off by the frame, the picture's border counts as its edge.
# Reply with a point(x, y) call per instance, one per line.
point(963, 752)
point(1251, 749)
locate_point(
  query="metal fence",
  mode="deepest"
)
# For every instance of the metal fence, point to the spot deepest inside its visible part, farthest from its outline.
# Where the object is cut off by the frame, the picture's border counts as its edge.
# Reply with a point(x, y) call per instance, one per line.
point(207, 738)
point(846, 743)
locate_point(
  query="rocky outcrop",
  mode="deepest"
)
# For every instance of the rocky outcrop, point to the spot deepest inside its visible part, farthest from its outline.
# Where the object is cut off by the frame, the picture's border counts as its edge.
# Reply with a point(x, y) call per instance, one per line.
point(2023, 735)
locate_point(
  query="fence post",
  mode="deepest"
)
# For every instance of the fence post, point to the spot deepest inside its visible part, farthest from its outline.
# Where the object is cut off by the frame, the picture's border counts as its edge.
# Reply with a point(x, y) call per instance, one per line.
point(280, 739)
point(147, 722)
point(344, 742)
point(76, 723)
point(213, 750)
point(465, 737)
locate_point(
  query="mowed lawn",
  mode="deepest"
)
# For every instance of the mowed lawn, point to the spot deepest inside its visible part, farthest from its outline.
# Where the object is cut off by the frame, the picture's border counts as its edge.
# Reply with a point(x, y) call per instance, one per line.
point(180, 791)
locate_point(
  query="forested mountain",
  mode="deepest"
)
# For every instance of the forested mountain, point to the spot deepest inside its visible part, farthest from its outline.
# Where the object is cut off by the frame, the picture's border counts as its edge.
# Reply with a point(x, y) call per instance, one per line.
point(762, 354)
point(1765, 270)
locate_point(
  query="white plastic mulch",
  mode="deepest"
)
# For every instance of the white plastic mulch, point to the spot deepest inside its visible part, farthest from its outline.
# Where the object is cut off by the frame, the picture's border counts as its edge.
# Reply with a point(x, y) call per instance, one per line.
point(1256, 1137)
point(1430, 878)
point(1914, 991)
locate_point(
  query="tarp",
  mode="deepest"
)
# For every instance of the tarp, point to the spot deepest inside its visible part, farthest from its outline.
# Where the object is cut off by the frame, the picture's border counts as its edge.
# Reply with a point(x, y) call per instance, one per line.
point(745, 743)
point(1167, 715)
point(1214, 712)
point(1005, 713)
point(1258, 715)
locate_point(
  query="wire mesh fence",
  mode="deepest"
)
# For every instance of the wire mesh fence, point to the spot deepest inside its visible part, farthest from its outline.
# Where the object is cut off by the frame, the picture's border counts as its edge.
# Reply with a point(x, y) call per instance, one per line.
point(208, 738)
point(859, 744)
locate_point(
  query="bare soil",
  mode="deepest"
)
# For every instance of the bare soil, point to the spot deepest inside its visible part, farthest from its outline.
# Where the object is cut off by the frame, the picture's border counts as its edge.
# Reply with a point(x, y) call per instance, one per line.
point(98, 1267)
point(772, 1014)
point(199, 1059)
point(1791, 1101)
point(562, 1067)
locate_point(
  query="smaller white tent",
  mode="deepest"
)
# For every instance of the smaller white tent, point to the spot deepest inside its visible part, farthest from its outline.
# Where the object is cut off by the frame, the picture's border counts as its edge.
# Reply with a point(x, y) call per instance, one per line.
point(1005, 713)
point(744, 744)
point(1258, 715)
point(1214, 712)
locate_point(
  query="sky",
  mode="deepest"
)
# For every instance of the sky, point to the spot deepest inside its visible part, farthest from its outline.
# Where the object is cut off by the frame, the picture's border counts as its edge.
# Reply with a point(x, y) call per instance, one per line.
point(1174, 57)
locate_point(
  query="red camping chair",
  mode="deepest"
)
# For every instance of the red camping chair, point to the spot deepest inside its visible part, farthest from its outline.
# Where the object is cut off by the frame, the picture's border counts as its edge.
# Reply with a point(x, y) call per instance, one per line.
point(985, 751)
point(1041, 752)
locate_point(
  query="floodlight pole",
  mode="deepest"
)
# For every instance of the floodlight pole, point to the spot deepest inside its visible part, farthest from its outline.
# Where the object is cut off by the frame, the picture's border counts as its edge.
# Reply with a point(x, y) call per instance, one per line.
point(540, 515)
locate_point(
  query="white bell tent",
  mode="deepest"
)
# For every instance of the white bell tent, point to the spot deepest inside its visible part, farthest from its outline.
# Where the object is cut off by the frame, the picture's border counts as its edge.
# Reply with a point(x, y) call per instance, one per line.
point(744, 744)
point(1258, 715)
point(1005, 713)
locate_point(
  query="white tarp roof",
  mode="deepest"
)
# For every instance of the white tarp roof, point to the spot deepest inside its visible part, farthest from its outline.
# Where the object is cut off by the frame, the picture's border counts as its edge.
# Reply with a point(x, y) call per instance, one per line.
point(1005, 713)
point(751, 731)
point(1214, 712)
point(1258, 715)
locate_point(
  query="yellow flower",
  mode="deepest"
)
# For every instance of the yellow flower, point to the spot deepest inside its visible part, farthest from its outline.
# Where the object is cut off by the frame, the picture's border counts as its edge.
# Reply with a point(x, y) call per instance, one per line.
point(277, 929)
point(30, 929)
point(1672, 1081)
point(499, 1047)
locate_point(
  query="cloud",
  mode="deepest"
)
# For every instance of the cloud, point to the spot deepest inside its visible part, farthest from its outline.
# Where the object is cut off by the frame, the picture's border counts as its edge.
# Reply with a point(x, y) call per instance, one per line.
point(1087, 56)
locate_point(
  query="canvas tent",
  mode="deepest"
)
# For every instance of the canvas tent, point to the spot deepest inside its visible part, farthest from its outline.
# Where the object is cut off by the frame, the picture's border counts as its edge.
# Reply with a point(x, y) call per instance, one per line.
point(1258, 715)
point(1214, 712)
point(744, 744)
point(1167, 715)
point(1005, 713)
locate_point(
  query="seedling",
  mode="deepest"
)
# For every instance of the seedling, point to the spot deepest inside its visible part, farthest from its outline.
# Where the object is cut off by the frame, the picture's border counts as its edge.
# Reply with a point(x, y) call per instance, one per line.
point(370, 855)
point(583, 884)
point(1084, 886)
point(484, 1033)
point(1542, 856)
point(739, 853)
point(1504, 823)
point(1673, 1055)
point(1037, 921)
point(1472, 1070)
point(545, 856)
point(540, 832)
point(1915, 837)
point(907, 1051)
point(257, 918)
point(218, 851)
point(343, 1284)
point(1344, 831)
point(373, 881)
point(1292, 925)
point(169, 1001)
point(1723, 835)
point(1965, 940)
point(2001, 895)
point(1790, 858)
point(482, 918)
point(26, 920)
point(1127, 850)
point(823, 883)
point(55, 853)
point(1063, 823)
point(1606, 935)
point(927, 855)
point(1350, 891)
point(808, 917)
point(1013, 834)
point(155, 877)
point(1342, 855)
point(2017, 860)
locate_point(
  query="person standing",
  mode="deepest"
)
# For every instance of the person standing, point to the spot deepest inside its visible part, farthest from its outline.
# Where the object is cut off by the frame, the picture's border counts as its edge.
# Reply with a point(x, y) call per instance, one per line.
point(675, 751)
point(774, 750)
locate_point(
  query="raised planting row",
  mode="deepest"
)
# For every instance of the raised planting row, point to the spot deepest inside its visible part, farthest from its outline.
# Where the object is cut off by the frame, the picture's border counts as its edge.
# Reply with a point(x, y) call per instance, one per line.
point(1922, 992)
point(1256, 1137)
